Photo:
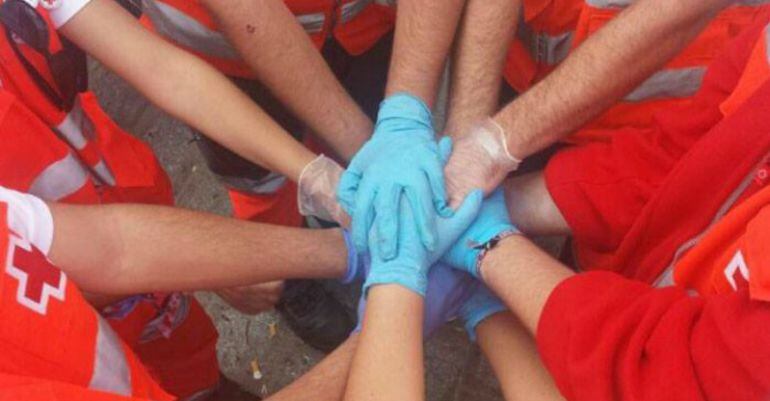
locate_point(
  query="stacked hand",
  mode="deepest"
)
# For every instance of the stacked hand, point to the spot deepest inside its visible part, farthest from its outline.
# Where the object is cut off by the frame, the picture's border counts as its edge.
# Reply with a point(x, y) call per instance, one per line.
point(401, 158)
point(317, 191)
point(480, 159)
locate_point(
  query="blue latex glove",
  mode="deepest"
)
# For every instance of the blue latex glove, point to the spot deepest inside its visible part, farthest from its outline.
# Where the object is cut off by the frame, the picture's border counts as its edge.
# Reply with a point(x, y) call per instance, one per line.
point(448, 290)
point(410, 268)
point(481, 305)
point(401, 157)
point(358, 263)
point(492, 220)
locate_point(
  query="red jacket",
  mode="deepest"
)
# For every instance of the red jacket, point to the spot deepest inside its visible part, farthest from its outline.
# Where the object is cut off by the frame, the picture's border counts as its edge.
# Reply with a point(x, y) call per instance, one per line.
point(612, 335)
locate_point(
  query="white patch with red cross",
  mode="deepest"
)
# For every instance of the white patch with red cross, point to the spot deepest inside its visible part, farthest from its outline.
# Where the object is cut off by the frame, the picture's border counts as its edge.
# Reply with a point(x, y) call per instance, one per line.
point(39, 280)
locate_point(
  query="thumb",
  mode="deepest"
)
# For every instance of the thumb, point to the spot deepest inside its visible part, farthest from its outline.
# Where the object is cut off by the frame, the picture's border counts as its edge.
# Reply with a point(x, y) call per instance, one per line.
point(445, 148)
point(466, 214)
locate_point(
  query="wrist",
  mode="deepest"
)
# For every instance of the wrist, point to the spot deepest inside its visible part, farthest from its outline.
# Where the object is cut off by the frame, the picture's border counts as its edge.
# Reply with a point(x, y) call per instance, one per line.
point(405, 276)
point(404, 106)
point(497, 144)
point(486, 247)
point(494, 258)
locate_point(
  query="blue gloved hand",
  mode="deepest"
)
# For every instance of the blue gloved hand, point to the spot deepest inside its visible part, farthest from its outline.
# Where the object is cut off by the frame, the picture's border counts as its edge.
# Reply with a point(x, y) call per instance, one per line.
point(410, 268)
point(492, 221)
point(448, 290)
point(481, 305)
point(401, 157)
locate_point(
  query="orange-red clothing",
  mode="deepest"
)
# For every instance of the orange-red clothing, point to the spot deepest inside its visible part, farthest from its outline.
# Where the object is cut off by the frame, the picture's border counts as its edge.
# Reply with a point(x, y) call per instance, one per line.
point(48, 330)
point(356, 24)
point(552, 28)
point(689, 211)
point(79, 155)
point(15, 388)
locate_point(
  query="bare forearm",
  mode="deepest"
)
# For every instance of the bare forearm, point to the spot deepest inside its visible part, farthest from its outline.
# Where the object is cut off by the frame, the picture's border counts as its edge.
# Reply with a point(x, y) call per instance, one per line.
point(388, 364)
point(326, 381)
point(269, 38)
point(424, 32)
point(142, 248)
point(185, 87)
point(485, 33)
point(513, 354)
point(602, 70)
point(523, 277)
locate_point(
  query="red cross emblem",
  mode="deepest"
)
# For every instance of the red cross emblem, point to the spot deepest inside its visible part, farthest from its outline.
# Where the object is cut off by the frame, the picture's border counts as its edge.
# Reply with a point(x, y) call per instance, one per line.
point(39, 280)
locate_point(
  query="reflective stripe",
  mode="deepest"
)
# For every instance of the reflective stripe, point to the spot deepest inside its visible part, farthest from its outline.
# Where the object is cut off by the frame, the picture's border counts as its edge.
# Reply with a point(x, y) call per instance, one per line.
point(104, 174)
point(267, 185)
point(675, 83)
point(188, 32)
point(60, 179)
point(77, 129)
point(544, 48)
point(667, 277)
point(111, 372)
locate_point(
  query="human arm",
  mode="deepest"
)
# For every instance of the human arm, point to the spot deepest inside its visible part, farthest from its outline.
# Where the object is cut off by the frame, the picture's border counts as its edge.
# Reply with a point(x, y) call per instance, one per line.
point(425, 30)
point(597, 74)
point(184, 86)
point(269, 39)
point(126, 245)
point(605, 337)
point(390, 347)
point(629, 49)
point(326, 381)
point(512, 352)
point(486, 30)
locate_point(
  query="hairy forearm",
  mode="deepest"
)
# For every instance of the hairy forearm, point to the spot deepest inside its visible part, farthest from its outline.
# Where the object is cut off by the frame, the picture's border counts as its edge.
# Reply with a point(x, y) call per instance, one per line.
point(602, 70)
point(271, 41)
point(185, 87)
point(326, 381)
point(424, 32)
point(388, 364)
point(513, 354)
point(141, 248)
point(523, 277)
point(484, 36)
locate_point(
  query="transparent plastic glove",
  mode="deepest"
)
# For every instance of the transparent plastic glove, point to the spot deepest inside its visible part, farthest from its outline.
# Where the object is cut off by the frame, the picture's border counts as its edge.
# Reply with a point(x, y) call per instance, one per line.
point(492, 221)
point(480, 159)
point(481, 305)
point(448, 290)
point(316, 195)
point(401, 155)
point(410, 268)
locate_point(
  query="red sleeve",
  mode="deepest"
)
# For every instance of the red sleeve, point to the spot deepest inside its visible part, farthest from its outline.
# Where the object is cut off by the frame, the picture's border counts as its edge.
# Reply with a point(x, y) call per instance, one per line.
point(604, 337)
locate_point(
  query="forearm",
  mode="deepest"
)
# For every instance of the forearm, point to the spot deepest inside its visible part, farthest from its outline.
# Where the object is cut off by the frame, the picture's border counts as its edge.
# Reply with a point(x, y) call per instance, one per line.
point(326, 381)
point(388, 364)
point(424, 32)
point(142, 248)
point(484, 36)
point(512, 352)
point(602, 70)
point(271, 41)
point(185, 87)
point(523, 277)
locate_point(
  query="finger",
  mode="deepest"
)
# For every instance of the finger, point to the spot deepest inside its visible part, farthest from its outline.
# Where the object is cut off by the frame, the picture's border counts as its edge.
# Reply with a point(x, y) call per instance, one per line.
point(347, 188)
point(434, 169)
point(466, 214)
point(445, 148)
point(424, 217)
point(388, 204)
point(363, 215)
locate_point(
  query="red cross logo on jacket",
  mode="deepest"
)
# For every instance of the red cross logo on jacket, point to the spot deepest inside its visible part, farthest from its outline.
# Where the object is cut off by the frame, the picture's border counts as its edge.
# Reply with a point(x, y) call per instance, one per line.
point(39, 280)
